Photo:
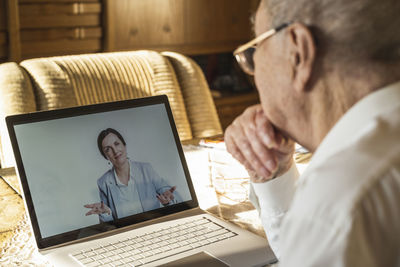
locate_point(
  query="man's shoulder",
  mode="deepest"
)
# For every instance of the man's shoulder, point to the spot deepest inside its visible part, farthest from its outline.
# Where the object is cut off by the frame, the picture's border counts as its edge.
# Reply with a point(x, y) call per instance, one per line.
point(340, 183)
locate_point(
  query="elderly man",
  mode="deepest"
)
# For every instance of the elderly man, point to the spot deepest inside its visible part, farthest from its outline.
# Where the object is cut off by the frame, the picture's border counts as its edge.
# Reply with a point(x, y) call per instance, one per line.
point(328, 75)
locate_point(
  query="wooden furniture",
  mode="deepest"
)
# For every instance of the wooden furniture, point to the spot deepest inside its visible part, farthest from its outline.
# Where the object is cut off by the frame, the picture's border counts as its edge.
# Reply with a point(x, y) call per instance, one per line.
point(190, 27)
point(59, 82)
point(3, 31)
point(40, 28)
point(35, 28)
point(229, 107)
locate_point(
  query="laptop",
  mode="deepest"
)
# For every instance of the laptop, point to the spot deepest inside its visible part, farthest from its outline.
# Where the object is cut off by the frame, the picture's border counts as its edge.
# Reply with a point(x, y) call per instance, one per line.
point(84, 211)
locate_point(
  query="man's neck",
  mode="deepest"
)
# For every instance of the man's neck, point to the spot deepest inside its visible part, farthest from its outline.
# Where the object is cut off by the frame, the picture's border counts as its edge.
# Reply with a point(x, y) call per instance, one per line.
point(338, 93)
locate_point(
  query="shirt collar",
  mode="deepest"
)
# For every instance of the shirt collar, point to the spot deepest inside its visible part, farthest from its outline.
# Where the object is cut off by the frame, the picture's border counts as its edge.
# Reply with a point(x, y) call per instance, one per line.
point(130, 175)
point(347, 129)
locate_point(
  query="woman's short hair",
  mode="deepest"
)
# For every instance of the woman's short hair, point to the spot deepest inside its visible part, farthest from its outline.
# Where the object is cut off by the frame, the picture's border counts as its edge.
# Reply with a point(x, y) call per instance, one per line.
point(103, 135)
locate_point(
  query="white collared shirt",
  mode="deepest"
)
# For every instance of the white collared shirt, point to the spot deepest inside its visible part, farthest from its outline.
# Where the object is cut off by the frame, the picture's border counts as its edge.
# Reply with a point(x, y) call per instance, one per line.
point(130, 201)
point(345, 208)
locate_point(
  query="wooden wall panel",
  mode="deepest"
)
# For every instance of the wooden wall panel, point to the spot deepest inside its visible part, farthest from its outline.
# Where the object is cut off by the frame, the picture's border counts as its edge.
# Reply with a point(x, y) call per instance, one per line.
point(59, 21)
point(150, 22)
point(191, 27)
point(52, 48)
point(225, 22)
point(55, 1)
point(3, 46)
point(3, 15)
point(63, 33)
point(60, 27)
point(3, 31)
point(63, 8)
point(13, 29)
point(3, 38)
point(3, 52)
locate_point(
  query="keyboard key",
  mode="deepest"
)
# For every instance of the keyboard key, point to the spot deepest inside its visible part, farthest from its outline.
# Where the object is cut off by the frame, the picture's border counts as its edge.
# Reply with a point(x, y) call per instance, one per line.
point(93, 264)
point(201, 237)
point(165, 248)
point(196, 244)
point(156, 251)
point(115, 258)
point(108, 254)
point(144, 249)
point(97, 257)
point(204, 242)
point(213, 239)
point(217, 233)
point(87, 260)
point(136, 251)
point(138, 256)
point(120, 245)
point(105, 260)
point(79, 256)
point(154, 246)
point(90, 254)
point(130, 242)
point(126, 254)
point(137, 263)
point(117, 263)
point(100, 250)
point(118, 251)
point(213, 226)
point(174, 245)
point(139, 239)
point(147, 254)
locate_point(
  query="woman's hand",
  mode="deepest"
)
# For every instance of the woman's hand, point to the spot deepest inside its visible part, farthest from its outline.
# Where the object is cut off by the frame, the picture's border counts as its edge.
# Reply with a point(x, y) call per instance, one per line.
point(166, 197)
point(97, 208)
point(255, 143)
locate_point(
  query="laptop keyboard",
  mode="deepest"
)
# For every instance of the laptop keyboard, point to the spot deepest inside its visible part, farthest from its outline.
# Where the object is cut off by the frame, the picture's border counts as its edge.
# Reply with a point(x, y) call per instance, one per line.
point(153, 246)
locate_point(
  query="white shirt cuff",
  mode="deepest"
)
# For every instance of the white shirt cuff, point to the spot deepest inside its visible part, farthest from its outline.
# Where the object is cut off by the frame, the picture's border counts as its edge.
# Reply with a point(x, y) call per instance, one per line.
point(275, 196)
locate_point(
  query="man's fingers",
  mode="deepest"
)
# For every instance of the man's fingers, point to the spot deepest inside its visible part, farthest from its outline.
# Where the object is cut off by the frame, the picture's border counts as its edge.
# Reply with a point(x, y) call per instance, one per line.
point(286, 145)
point(251, 157)
point(233, 148)
point(265, 131)
point(266, 160)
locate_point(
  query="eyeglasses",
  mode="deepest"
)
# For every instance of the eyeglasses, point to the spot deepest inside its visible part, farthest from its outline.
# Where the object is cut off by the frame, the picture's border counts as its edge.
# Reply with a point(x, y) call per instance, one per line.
point(244, 53)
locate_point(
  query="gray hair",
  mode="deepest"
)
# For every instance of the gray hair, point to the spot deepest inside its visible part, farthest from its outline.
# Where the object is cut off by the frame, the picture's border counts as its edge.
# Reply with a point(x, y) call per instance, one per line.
point(367, 29)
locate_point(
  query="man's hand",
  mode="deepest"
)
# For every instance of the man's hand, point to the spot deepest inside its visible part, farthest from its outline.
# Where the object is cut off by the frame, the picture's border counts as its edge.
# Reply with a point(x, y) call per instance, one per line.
point(97, 208)
point(255, 143)
point(167, 196)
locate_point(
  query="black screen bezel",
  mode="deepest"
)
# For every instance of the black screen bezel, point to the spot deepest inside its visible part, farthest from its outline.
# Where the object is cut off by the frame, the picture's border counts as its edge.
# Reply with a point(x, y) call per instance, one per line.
point(55, 240)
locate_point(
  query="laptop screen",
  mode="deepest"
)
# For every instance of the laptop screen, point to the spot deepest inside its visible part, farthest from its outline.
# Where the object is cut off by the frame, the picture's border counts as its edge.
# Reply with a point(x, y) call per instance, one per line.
point(87, 170)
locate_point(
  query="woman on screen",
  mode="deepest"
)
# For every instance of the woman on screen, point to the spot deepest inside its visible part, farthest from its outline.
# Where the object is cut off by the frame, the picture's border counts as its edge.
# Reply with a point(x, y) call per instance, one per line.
point(129, 187)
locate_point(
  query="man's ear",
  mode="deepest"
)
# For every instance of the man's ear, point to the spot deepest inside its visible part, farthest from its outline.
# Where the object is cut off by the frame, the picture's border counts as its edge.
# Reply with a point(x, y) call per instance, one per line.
point(302, 55)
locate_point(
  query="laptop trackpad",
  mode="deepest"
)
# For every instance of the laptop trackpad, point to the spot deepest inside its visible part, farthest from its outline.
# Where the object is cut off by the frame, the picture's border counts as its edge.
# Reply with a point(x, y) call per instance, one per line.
point(197, 260)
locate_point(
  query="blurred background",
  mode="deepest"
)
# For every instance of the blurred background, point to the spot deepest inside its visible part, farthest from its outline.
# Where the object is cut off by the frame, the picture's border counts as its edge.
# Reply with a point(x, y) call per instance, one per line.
point(206, 30)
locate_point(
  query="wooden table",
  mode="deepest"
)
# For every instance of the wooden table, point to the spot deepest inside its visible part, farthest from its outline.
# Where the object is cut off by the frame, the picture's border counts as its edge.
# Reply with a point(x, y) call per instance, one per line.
point(11, 205)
